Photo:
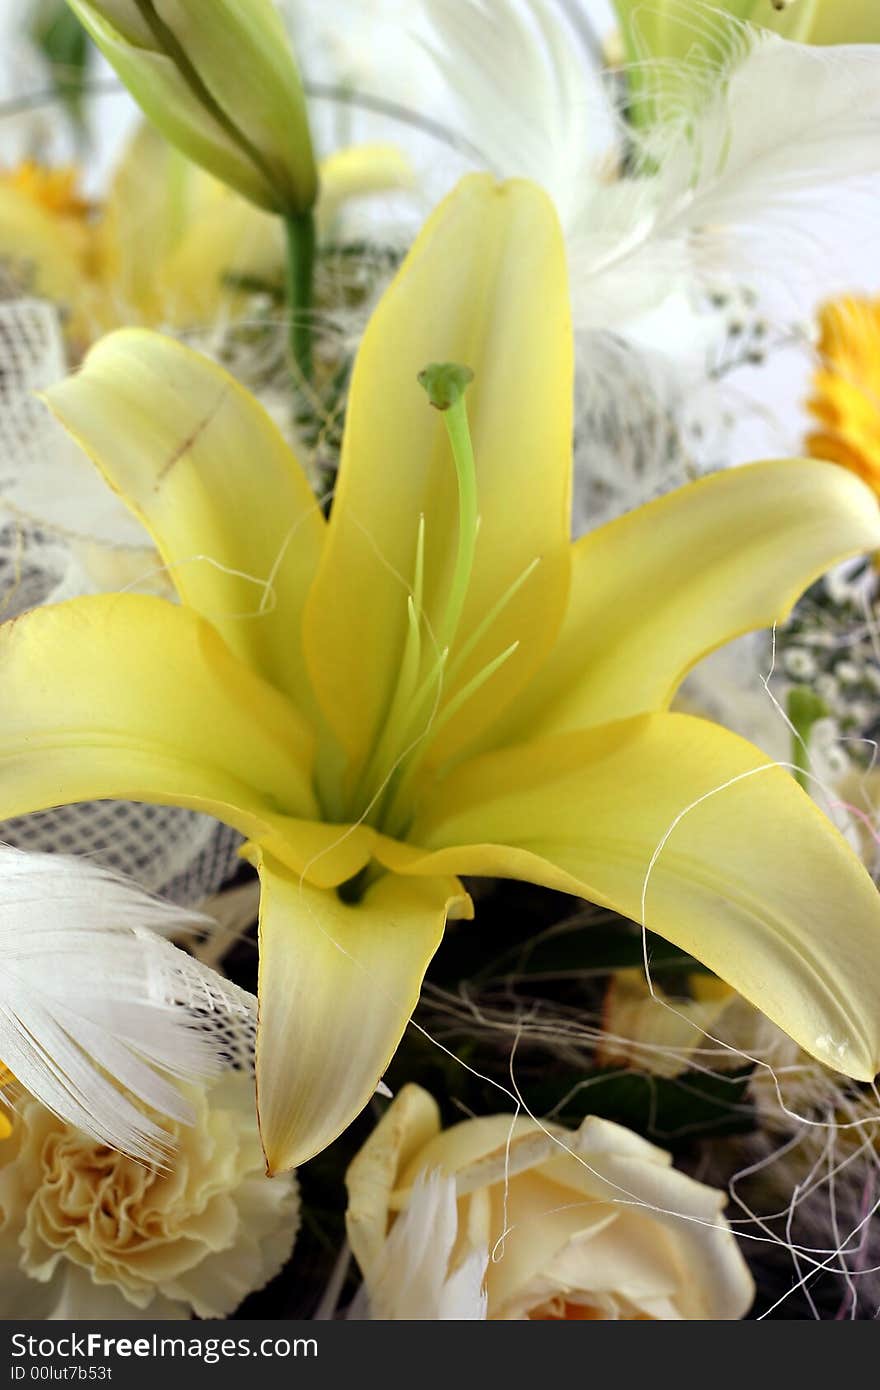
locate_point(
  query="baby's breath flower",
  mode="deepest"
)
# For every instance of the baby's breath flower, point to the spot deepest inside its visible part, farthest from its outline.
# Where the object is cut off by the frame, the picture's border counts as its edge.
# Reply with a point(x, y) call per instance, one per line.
point(800, 664)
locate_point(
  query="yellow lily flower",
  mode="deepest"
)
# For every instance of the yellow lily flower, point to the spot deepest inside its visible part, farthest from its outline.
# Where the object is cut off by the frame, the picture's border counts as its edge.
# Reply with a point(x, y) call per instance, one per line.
point(173, 241)
point(168, 245)
point(436, 682)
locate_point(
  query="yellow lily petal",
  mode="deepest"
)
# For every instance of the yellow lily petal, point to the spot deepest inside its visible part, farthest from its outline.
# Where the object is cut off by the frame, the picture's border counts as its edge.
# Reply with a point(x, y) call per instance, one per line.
point(198, 460)
point(227, 240)
point(665, 585)
point(793, 22)
point(337, 987)
point(356, 172)
point(144, 214)
point(123, 696)
point(485, 285)
point(172, 238)
point(126, 697)
point(753, 880)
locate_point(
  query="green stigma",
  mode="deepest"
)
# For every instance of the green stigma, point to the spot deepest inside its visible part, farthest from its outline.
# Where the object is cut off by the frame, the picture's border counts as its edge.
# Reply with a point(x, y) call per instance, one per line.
point(445, 383)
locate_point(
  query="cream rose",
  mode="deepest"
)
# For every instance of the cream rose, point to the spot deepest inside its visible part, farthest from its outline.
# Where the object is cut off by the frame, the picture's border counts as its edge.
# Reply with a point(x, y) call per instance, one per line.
point(595, 1224)
point(87, 1233)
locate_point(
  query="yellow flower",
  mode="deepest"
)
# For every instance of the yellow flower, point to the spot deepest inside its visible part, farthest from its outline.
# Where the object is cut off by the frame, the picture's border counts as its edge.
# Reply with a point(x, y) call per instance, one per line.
point(846, 388)
point(218, 79)
point(436, 682)
point(56, 190)
point(87, 1232)
point(169, 245)
point(582, 1226)
point(47, 239)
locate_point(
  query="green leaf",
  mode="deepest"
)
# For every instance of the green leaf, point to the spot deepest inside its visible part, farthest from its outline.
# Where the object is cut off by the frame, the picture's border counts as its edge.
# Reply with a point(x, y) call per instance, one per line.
point(667, 1110)
point(593, 947)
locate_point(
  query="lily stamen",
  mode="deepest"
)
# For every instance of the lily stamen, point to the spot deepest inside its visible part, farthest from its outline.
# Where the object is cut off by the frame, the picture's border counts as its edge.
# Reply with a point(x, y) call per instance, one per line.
point(445, 384)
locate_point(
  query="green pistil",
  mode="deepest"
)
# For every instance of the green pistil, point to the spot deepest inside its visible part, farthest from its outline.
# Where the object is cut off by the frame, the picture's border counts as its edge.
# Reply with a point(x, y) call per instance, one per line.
point(417, 708)
point(446, 384)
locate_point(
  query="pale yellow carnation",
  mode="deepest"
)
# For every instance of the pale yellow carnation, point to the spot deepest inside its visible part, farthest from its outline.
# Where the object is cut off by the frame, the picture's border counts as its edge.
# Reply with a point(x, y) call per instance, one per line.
point(86, 1232)
point(578, 1226)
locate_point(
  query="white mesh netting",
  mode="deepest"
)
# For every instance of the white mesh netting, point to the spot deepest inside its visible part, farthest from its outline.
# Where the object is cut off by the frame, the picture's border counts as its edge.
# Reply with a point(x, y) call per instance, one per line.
point(180, 854)
point(631, 441)
point(62, 533)
point(45, 479)
point(220, 1009)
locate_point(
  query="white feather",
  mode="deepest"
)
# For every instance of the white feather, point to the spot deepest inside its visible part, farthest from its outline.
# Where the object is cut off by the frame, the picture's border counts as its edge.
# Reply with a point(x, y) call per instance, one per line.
point(744, 191)
point(749, 191)
point(524, 90)
point(740, 181)
point(98, 1014)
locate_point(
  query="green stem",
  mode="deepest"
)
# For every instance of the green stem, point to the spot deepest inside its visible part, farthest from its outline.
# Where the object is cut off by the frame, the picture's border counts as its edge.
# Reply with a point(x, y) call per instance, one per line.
point(300, 233)
point(805, 708)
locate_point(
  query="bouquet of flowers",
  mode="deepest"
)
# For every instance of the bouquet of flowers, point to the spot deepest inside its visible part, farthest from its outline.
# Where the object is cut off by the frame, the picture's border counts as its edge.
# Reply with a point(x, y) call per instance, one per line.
point(440, 660)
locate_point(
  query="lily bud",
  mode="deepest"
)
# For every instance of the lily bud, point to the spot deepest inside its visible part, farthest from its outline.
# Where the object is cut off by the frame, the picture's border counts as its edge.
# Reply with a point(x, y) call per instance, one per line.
point(669, 29)
point(218, 79)
point(845, 21)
